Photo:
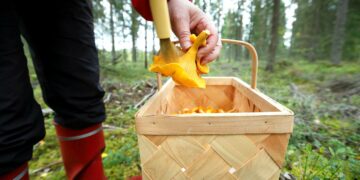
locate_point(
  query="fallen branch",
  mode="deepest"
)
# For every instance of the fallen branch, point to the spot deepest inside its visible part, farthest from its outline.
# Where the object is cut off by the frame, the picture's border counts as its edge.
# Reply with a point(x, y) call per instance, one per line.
point(146, 97)
point(287, 176)
point(46, 167)
point(47, 111)
point(135, 86)
point(108, 98)
point(112, 127)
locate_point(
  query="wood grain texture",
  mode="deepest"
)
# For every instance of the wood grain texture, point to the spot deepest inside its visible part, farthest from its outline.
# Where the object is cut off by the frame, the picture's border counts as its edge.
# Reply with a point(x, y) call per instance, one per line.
point(183, 149)
point(259, 167)
point(180, 176)
point(235, 150)
point(228, 176)
point(276, 145)
point(145, 176)
point(232, 123)
point(161, 166)
point(157, 140)
point(208, 166)
point(146, 147)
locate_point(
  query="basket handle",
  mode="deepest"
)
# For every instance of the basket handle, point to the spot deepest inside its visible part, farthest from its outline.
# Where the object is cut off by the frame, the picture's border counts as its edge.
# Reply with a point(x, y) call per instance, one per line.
point(254, 61)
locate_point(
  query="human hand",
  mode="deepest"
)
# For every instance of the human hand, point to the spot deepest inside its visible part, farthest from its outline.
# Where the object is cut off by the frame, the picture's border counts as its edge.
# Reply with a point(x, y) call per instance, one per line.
point(186, 18)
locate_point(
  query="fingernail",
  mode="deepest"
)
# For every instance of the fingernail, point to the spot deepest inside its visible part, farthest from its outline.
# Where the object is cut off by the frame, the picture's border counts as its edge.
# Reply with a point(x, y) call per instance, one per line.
point(187, 44)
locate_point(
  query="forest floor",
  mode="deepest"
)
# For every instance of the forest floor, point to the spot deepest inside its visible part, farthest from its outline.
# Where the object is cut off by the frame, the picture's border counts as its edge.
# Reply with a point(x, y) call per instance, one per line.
point(325, 143)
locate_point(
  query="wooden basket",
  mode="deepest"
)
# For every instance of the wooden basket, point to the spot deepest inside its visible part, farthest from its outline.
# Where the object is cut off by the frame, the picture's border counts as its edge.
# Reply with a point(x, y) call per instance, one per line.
point(249, 144)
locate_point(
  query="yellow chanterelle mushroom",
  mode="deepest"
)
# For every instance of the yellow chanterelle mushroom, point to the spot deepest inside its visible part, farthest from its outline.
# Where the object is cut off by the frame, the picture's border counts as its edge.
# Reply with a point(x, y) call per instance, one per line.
point(186, 68)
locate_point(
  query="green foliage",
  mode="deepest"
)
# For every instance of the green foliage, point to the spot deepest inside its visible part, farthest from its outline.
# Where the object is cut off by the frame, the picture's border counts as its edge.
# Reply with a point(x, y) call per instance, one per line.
point(352, 39)
point(123, 155)
point(98, 11)
point(47, 152)
point(232, 29)
point(125, 72)
point(338, 162)
point(313, 29)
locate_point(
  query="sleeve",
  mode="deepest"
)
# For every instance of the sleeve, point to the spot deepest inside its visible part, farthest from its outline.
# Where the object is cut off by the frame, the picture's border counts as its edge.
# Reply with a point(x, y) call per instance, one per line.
point(143, 8)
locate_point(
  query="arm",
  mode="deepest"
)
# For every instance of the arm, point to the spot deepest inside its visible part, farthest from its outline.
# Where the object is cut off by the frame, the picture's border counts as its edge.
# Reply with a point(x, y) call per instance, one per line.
point(186, 18)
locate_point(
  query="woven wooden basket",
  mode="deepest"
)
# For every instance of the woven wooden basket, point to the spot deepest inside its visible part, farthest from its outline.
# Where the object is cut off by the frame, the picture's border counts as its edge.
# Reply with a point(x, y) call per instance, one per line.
point(249, 144)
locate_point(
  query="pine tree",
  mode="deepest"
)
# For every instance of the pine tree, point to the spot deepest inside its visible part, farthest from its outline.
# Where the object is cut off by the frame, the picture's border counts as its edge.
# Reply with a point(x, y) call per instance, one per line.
point(133, 31)
point(146, 56)
point(352, 38)
point(339, 31)
point(312, 30)
point(112, 32)
point(274, 36)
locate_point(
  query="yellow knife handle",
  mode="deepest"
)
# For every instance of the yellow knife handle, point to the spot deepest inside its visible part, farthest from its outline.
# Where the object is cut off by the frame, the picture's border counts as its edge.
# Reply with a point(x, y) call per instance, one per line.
point(160, 13)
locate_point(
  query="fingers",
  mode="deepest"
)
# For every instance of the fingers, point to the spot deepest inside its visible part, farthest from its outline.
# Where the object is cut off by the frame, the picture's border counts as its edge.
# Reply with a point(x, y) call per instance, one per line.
point(181, 28)
point(187, 18)
point(213, 54)
point(184, 37)
point(211, 46)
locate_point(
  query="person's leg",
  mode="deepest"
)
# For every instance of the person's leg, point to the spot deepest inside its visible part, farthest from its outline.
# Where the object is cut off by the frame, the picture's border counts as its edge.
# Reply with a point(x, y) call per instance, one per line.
point(21, 121)
point(61, 37)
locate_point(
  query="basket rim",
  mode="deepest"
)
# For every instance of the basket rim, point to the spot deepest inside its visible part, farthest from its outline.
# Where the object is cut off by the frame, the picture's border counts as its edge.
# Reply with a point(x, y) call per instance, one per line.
point(170, 84)
point(280, 121)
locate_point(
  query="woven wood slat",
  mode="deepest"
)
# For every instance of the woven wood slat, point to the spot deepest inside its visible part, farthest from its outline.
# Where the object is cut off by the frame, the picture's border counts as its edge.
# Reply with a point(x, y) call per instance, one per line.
point(147, 147)
point(259, 167)
point(209, 166)
point(183, 149)
point(235, 150)
point(276, 145)
point(205, 141)
point(181, 176)
point(213, 156)
point(157, 140)
point(228, 176)
point(161, 166)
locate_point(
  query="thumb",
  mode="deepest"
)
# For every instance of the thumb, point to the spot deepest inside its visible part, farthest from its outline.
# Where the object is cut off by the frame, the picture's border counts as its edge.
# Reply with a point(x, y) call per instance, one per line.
point(182, 31)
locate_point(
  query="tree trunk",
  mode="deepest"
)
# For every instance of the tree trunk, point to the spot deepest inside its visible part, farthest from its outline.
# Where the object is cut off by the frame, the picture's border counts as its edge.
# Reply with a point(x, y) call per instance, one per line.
point(313, 41)
point(146, 60)
point(113, 53)
point(204, 8)
point(153, 36)
point(133, 48)
point(125, 55)
point(134, 29)
point(339, 32)
point(239, 35)
point(220, 6)
point(274, 36)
